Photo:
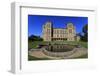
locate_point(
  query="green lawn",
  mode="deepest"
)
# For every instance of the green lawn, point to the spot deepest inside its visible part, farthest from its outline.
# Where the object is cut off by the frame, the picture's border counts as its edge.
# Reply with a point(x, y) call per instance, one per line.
point(36, 43)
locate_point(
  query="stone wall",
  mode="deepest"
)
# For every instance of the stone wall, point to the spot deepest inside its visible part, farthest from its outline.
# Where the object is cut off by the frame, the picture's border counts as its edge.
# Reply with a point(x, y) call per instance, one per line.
point(57, 54)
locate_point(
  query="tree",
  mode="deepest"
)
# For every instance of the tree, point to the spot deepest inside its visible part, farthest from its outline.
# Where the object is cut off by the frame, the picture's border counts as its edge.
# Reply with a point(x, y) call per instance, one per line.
point(35, 38)
point(85, 29)
point(85, 33)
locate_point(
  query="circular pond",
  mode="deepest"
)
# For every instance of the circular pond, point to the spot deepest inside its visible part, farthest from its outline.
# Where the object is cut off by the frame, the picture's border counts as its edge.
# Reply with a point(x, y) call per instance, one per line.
point(59, 48)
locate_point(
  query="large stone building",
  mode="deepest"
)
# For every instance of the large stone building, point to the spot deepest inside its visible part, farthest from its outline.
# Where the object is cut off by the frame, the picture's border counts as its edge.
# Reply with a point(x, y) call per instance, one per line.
point(60, 34)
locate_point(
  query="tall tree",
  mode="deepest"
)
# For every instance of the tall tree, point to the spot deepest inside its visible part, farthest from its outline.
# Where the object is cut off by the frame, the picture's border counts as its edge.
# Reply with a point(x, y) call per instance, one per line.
point(85, 33)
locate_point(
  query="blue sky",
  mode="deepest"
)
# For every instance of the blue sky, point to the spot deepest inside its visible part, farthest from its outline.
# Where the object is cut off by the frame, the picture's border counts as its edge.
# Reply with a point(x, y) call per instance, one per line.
point(35, 23)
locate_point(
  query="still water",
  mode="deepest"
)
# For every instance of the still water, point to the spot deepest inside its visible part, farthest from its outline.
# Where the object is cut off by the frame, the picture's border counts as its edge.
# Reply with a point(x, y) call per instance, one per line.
point(59, 48)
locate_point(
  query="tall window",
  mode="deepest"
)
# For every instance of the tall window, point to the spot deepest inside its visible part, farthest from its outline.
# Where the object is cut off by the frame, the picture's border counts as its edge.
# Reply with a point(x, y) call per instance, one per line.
point(57, 31)
point(70, 30)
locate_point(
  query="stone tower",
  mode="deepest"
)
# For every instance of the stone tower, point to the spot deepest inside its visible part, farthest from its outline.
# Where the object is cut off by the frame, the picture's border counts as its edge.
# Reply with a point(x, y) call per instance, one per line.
point(47, 31)
point(71, 33)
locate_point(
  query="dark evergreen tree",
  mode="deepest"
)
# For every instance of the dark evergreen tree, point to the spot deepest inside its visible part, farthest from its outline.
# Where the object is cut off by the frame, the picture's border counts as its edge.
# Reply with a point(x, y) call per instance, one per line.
point(35, 38)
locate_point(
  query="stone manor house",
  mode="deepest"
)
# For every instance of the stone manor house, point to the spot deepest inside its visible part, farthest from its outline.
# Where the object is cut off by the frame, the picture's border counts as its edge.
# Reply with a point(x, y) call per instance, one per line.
point(60, 34)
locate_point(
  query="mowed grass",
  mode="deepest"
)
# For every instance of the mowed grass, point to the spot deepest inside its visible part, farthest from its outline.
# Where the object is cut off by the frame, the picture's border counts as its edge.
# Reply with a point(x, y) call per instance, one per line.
point(34, 44)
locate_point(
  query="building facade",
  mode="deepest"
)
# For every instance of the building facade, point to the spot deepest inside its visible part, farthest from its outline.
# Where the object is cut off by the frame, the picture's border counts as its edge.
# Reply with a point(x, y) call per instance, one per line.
point(60, 34)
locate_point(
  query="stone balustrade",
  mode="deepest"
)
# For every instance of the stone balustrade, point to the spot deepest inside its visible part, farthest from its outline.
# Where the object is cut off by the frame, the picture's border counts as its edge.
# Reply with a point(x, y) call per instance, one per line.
point(59, 54)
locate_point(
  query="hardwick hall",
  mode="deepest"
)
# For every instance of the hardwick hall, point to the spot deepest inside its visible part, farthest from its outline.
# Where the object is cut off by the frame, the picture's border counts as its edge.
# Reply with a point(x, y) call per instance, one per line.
point(59, 34)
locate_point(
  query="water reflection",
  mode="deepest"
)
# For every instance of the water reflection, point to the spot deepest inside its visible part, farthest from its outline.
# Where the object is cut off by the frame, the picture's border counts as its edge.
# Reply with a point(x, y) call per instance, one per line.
point(59, 48)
